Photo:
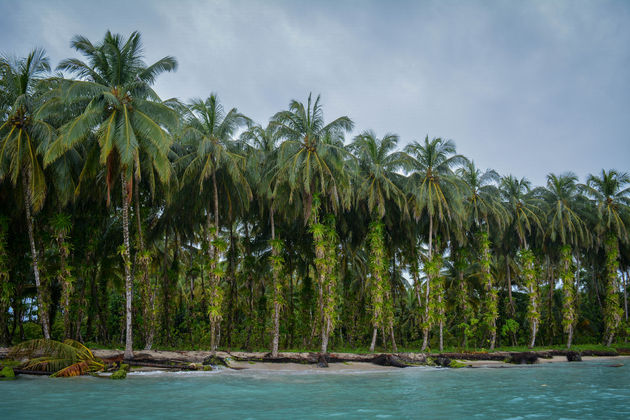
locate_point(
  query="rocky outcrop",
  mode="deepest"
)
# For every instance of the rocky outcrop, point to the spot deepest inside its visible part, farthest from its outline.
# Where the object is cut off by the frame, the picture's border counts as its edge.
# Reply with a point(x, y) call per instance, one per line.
point(523, 358)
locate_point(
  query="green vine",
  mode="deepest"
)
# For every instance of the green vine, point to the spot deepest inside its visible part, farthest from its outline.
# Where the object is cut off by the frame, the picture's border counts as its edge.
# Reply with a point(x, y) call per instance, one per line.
point(612, 308)
point(382, 311)
point(567, 275)
point(492, 294)
point(6, 289)
point(528, 273)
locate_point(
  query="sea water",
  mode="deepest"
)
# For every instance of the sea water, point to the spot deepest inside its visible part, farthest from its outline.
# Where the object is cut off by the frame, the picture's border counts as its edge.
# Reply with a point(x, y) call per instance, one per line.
point(559, 391)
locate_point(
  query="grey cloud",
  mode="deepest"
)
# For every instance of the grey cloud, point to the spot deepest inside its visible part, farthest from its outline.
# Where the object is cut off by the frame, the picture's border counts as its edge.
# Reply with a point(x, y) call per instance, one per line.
point(524, 87)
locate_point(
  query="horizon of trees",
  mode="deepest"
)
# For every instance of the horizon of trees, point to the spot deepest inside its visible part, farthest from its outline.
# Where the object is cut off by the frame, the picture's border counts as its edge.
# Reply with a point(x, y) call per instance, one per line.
point(125, 218)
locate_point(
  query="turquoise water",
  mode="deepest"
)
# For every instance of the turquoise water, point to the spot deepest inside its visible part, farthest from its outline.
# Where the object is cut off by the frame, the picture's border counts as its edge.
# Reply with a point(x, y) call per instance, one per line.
point(563, 390)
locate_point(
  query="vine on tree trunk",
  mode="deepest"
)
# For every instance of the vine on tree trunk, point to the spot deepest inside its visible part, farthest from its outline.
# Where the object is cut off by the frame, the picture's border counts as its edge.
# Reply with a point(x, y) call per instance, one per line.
point(491, 298)
point(326, 240)
point(612, 308)
point(567, 275)
point(528, 272)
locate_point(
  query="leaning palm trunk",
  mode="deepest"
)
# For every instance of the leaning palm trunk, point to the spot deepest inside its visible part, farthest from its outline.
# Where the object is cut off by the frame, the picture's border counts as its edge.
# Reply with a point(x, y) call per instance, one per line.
point(127, 263)
point(42, 307)
point(373, 343)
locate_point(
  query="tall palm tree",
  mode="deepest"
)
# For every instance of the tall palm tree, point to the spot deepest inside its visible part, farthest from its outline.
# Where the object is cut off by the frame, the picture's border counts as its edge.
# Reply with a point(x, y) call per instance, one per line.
point(611, 193)
point(263, 165)
point(312, 163)
point(565, 227)
point(434, 194)
point(24, 136)
point(378, 185)
point(482, 209)
point(525, 214)
point(210, 131)
point(128, 117)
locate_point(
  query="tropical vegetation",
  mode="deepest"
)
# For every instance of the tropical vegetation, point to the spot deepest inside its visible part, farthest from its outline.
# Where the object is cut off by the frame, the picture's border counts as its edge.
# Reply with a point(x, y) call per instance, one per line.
point(131, 220)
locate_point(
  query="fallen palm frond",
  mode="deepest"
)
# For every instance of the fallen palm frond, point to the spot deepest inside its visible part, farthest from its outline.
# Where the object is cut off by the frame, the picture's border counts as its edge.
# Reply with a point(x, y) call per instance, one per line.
point(65, 359)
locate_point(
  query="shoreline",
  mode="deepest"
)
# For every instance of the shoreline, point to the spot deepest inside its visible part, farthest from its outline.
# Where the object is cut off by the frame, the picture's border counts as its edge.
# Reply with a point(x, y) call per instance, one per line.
point(289, 361)
point(199, 361)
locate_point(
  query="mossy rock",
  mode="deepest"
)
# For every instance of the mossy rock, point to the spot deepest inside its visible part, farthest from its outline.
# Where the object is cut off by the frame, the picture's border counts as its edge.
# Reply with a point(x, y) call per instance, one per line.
point(207, 368)
point(7, 373)
point(216, 361)
point(430, 361)
point(125, 367)
point(119, 374)
point(456, 364)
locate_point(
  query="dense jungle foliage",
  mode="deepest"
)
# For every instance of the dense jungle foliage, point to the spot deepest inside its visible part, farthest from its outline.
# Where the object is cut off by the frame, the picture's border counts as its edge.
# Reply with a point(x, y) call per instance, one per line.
point(126, 219)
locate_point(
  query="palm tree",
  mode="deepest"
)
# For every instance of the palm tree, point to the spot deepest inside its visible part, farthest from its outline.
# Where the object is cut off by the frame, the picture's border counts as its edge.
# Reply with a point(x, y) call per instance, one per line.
point(378, 185)
point(263, 165)
point(24, 136)
point(128, 118)
point(611, 194)
point(565, 227)
point(482, 208)
point(64, 359)
point(311, 163)
point(210, 131)
point(524, 211)
point(434, 194)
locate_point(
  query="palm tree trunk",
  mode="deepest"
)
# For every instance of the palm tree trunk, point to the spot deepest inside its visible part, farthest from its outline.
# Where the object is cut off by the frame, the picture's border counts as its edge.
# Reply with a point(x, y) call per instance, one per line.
point(625, 294)
point(127, 264)
point(425, 329)
point(42, 307)
point(441, 328)
point(64, 279)
point(214, 281)
point(391, 334)
point(276, 298)
point(373, 343)
point(534, 331)
point(509, 282)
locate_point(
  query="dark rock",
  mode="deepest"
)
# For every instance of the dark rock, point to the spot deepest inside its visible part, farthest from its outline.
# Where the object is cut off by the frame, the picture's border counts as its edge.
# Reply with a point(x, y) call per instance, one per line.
point(574, 356)
point(524, 358)
point(390, 360)
point(442, 361)
point(322, 361)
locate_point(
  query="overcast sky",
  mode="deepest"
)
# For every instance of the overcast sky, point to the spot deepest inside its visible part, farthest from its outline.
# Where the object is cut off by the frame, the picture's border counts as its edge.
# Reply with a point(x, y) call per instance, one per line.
point(524, 87)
